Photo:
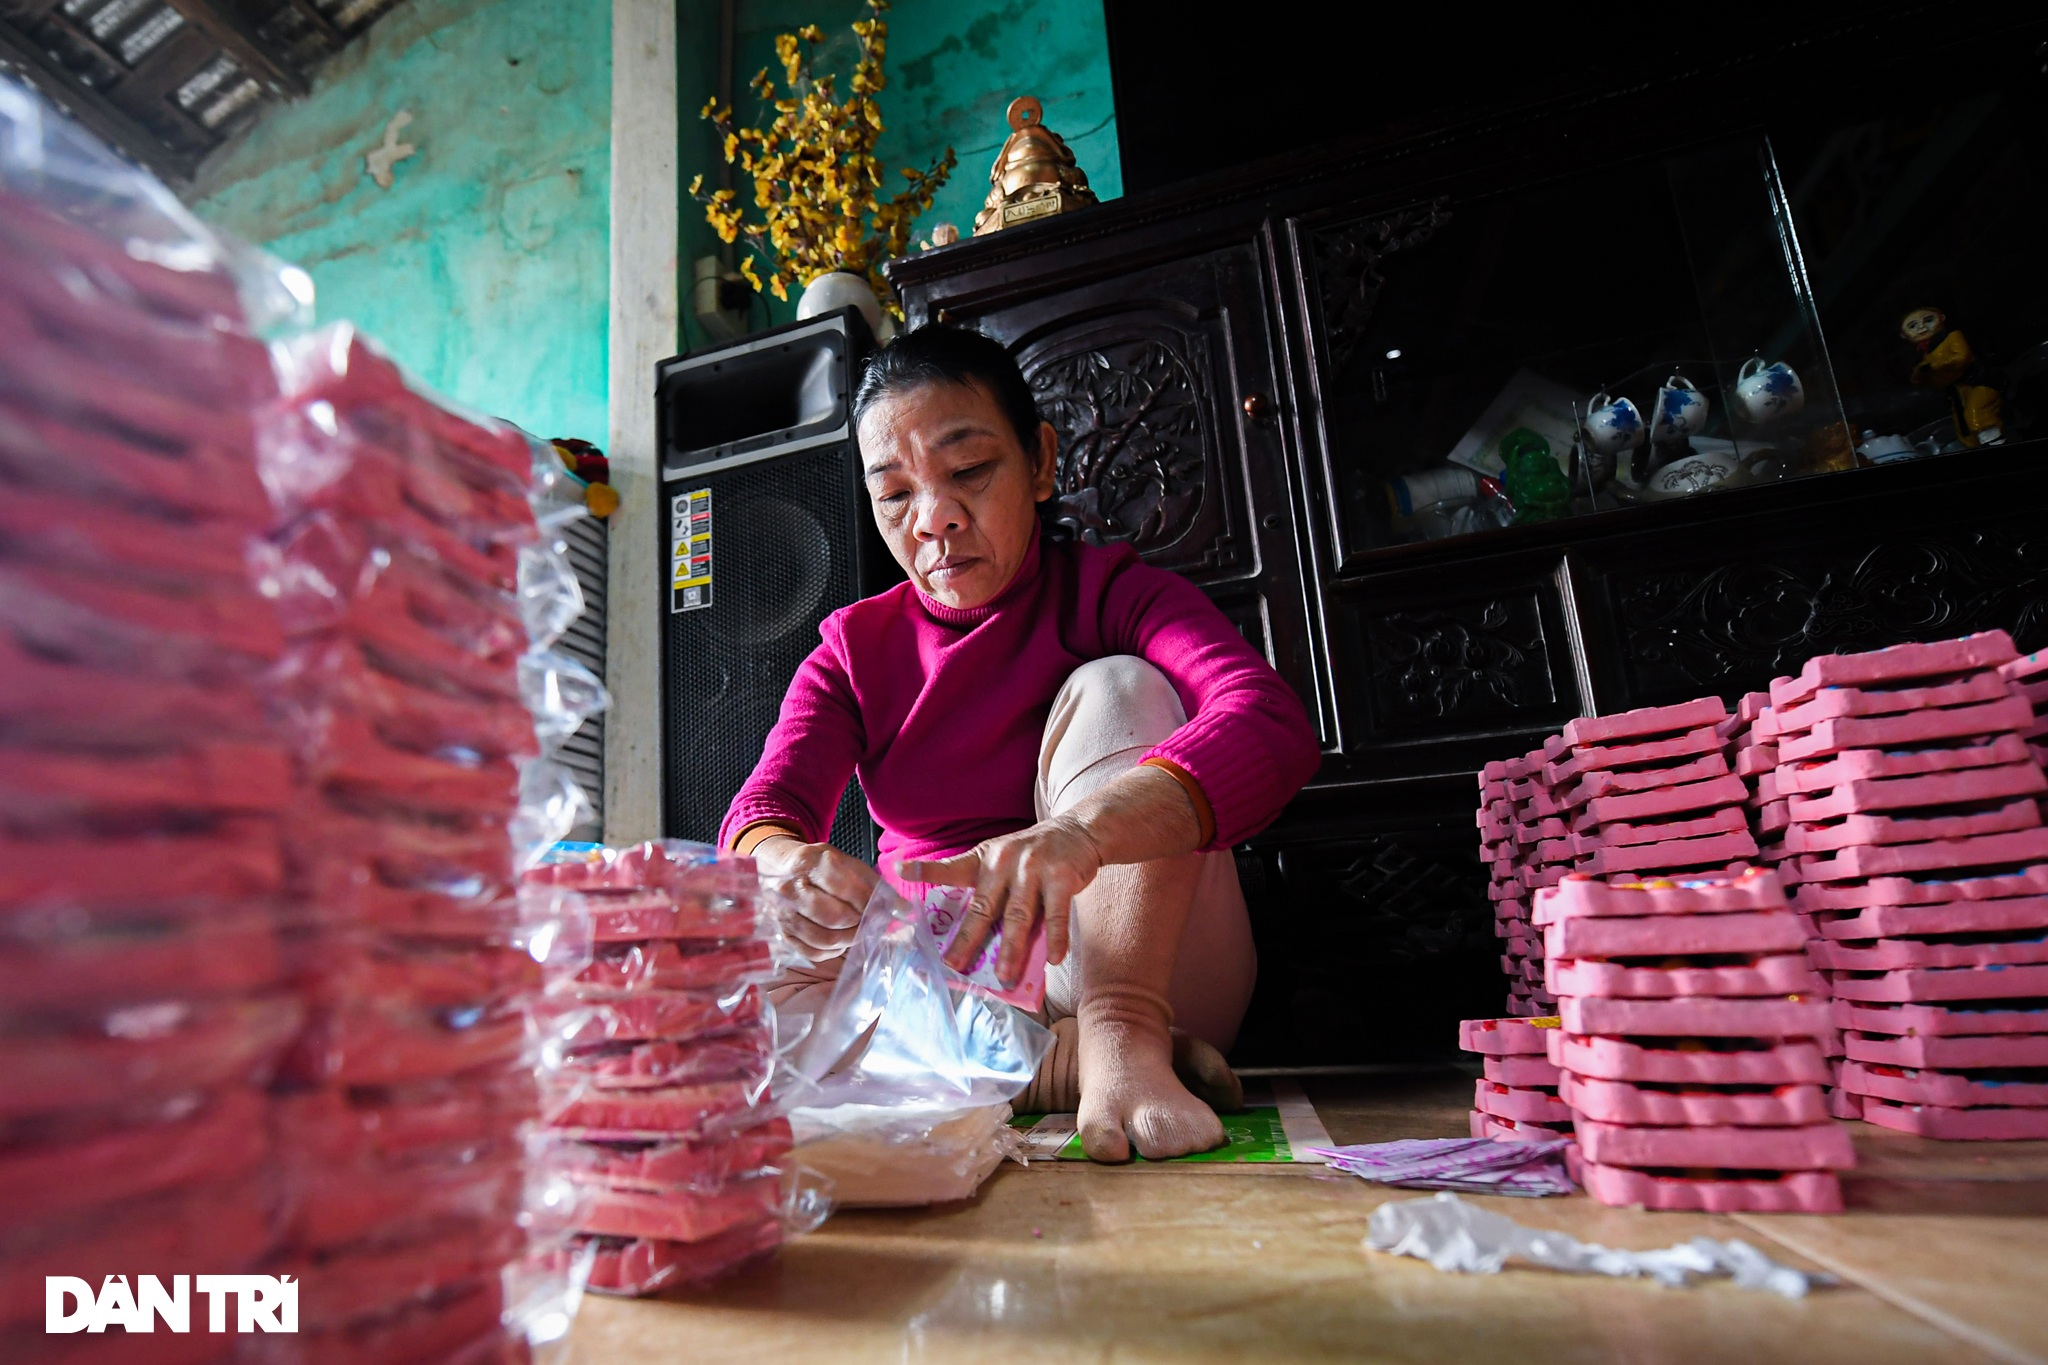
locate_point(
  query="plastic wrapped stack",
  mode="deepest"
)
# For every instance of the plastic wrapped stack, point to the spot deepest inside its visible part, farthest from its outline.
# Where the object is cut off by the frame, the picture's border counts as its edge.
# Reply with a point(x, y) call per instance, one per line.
point(1912, 811)
point(414, 586)
point(1692, 1044)
point(1516, 1100)
point(263, 981)
point(143, 1000)
point(663, 1050)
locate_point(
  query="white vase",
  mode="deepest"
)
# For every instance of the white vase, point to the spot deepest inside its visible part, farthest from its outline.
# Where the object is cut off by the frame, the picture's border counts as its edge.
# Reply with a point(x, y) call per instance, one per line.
point(836, 289)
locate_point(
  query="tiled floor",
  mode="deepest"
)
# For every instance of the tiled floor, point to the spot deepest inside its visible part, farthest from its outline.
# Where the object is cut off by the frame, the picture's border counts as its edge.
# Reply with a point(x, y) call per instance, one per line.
point(1945, 1258)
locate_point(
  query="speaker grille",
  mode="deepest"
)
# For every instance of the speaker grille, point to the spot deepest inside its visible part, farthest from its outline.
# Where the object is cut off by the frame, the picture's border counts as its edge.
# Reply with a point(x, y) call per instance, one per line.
point(782, 559)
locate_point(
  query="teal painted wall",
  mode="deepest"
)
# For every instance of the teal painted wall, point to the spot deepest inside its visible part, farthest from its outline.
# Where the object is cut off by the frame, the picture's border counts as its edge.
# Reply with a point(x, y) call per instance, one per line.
point(485, 267)
point(953, 68)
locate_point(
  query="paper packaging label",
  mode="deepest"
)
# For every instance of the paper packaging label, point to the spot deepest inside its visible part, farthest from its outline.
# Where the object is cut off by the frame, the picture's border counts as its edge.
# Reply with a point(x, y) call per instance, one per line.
point(944, 907)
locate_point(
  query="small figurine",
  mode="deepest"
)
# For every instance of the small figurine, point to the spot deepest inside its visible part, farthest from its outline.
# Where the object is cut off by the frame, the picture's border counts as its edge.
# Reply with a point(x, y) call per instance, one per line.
point(1947, 362)
point(1534, 483)
point(1035, 174)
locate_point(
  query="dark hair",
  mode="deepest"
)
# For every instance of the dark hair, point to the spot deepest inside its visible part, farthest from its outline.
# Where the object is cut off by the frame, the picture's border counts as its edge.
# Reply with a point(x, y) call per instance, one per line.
point(940, 354)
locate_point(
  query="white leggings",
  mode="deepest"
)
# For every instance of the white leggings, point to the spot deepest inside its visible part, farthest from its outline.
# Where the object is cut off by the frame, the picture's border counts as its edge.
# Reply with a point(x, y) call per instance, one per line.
point(1108, 715)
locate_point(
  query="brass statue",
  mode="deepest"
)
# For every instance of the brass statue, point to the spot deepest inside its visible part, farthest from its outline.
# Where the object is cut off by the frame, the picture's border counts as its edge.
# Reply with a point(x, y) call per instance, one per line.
point(1034, 175)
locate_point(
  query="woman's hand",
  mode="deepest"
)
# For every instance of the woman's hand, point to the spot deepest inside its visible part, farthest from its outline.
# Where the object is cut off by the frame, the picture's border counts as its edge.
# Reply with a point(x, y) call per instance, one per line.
point(1034, 874)
point(1018, 880)
point(826, 888)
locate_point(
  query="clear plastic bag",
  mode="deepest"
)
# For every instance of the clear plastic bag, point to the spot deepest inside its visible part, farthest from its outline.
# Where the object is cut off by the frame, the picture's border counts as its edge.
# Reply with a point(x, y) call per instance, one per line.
point(905, 1075)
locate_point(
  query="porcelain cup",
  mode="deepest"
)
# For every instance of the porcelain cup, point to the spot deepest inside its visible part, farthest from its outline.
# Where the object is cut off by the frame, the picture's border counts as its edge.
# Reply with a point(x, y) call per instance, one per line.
point(1681, 410)
point(1764, 393)
point(1613, 424)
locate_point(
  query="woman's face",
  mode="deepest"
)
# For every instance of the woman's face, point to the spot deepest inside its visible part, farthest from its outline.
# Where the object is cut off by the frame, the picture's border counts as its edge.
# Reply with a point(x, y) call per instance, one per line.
point(954, 493)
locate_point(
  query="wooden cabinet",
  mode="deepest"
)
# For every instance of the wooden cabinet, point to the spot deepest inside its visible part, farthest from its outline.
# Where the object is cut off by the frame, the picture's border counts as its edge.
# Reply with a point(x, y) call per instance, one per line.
point(1240, 367)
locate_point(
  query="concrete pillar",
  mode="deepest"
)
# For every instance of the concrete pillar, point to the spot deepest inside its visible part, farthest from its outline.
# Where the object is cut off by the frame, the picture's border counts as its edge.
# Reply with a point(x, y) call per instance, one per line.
point(644, 320)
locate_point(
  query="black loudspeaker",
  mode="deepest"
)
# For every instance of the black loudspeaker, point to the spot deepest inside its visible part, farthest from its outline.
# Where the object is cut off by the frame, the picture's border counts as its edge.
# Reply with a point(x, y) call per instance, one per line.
point(766, 532)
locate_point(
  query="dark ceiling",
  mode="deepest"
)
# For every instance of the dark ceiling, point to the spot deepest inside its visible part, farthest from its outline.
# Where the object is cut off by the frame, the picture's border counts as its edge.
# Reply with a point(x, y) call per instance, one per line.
point(167, 81)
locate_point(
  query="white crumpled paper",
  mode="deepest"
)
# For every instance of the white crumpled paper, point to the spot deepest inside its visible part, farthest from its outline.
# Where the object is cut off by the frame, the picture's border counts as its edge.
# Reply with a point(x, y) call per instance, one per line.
point(1453, 1235)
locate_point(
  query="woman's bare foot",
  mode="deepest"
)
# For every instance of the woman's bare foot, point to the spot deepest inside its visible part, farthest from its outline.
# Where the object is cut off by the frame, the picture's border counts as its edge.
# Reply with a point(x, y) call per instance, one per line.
point(1129, 1094)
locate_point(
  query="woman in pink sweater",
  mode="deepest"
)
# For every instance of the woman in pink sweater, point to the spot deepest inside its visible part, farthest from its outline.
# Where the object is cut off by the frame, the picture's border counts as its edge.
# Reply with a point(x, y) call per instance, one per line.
point(1077, 736)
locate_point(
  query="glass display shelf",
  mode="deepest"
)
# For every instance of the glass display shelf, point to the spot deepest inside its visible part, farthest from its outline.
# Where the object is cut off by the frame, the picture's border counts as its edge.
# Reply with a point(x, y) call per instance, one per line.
point(1786, 303)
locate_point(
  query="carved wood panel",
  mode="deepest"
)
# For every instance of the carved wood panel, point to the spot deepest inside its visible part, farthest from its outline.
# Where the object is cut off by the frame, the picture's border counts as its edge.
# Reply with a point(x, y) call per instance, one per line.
point(1732, 626)
point(1134, 402)
point(1465, 661)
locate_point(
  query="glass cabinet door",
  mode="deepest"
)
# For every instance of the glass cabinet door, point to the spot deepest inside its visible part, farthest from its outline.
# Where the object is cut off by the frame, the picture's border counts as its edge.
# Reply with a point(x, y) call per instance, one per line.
point(1638, 333)
point(1828, 293)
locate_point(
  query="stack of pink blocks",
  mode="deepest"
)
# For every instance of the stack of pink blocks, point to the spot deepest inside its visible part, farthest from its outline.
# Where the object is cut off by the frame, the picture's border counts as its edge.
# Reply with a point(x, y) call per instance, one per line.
point(1516, 812)
point(1690, 1050)
point(1516, 1100)
point(659, 1106)
point(1648, 792)
point(1912, 821)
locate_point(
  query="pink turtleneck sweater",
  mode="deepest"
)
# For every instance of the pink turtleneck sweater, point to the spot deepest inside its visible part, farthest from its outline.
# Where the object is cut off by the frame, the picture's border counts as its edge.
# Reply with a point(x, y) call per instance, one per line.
point(941, 710)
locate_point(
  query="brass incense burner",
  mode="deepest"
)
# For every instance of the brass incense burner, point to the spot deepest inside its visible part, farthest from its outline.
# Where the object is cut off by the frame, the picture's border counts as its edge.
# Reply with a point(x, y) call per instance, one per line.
point(1034, 175)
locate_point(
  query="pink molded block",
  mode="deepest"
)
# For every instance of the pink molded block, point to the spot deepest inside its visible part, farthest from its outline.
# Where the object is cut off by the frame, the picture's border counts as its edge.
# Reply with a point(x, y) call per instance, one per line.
point(1660, 801)
point(1536, 878)
point(1852, 831)
point(1782, 974)
point(1923, 985)
point(1754, 760)
point(1958, 1125)
point(2026, 666)
point(1949, 1089)
point(1591, 758)
point(1611, 834)
point(2011, 915)
point(2026, 881)
point(1765, 1018)
point(1503, 1037)
point(1843, 1105)
point(1536, 831)
point(1670, 853)
point(1877, 764)
point(1941, 1021)
point(1773, 817)
point(1835, 703)
point(1756, 931)
point(1645, 720)
point(1887, 860)
point(1821, 1146)
point(1987, 1053)
point(2012, 714)
point(1476, 1123)
point(1690, 1061)
point(1523, 1105)
point(1987, 649)
point(1580, 895)
point(1894, 954)
point(1523, 1071)
point(1766, 788)
point(2002, 782)
point(1794, 1192)
point(1604, 783)
point(1517, 1130)
point(1622, 1102)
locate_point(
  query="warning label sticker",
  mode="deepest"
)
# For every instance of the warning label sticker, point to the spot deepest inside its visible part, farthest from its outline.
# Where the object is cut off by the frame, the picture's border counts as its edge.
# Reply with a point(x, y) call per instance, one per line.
point(690, 550)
